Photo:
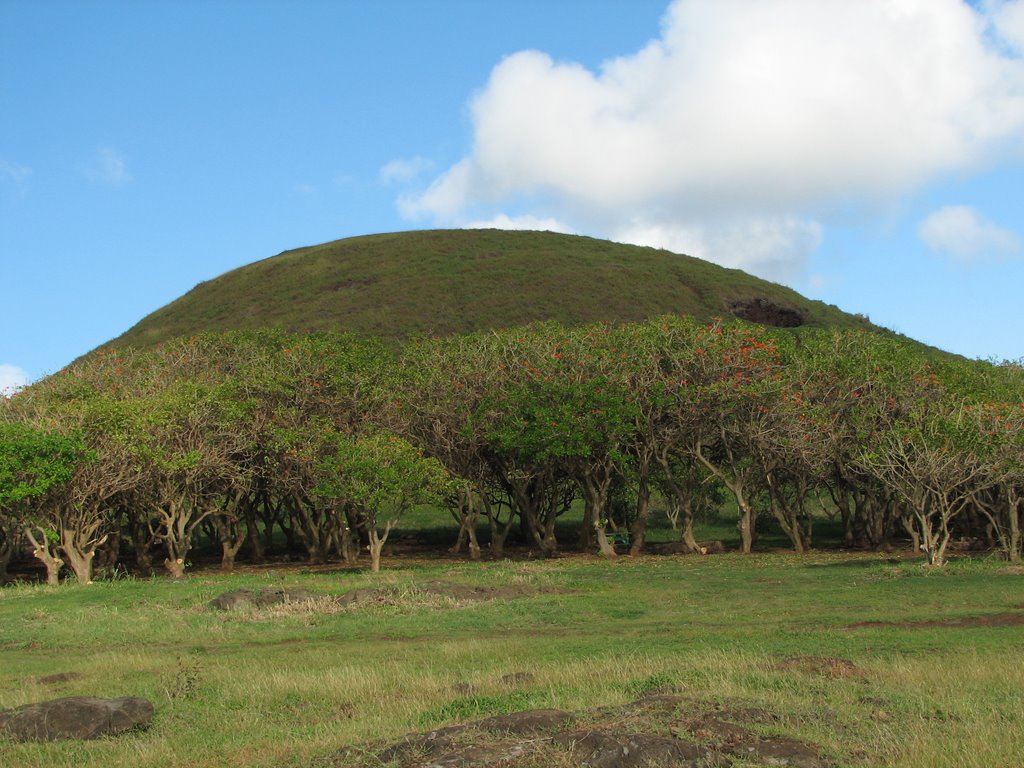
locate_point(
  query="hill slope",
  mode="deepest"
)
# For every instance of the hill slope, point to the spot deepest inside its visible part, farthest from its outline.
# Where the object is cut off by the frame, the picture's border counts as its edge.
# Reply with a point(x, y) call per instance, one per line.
point(456, 281)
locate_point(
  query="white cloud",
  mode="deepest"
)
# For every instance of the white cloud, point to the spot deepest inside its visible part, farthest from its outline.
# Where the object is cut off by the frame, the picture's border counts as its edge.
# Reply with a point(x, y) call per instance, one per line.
point(776, 248)
point(764, 114)
point(109, 166)
point(17, 173)
point(1008, 20)
point(959, 231)
point(11, 380)
point(404, 170)
point(531, 223)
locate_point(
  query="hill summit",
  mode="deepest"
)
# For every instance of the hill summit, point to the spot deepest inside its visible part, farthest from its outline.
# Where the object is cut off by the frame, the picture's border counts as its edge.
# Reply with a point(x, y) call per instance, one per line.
point(445, 282)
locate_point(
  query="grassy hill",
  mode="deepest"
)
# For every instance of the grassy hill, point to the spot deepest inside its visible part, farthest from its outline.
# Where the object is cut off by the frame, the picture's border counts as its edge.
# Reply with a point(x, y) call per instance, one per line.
point(456, 281)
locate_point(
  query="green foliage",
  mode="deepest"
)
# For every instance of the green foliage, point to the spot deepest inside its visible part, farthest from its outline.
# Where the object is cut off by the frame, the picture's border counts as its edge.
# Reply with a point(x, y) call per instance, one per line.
point(380, 473)
point(32, 462)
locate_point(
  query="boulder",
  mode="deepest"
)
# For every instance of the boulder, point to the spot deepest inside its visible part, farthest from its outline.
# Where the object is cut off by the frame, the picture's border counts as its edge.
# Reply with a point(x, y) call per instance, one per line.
point(245, 598)
point(75, 717)
point(596, 749)
point(529, 722)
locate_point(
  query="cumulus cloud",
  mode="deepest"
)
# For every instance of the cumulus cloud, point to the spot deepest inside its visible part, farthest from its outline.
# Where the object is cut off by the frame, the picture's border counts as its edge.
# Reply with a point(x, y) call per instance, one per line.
point(532, 223)
point(764, 114)
point(958, 230)
point(1008, 20)
point(11, 380)
point(14, 172)
point(774, 247)
point(404, 170)
point(109, 166)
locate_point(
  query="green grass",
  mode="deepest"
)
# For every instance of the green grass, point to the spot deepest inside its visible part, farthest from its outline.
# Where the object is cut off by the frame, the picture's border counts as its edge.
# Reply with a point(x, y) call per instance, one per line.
point(457, 281)
point(293, 686)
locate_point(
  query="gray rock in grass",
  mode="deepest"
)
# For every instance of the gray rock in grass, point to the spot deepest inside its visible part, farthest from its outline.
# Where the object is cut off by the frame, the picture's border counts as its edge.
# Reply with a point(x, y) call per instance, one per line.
point(76, 717)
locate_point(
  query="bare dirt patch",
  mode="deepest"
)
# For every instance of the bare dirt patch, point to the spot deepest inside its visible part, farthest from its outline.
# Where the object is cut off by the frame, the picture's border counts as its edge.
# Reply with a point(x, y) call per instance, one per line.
point(277, 603)
point(821, 666)
point(59, 678)
point(961, 622)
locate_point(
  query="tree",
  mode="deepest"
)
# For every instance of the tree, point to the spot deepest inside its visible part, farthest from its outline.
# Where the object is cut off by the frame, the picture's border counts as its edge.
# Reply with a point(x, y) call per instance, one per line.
point(735, 385)
point(858, 384)
point(934, 460)
point(383, 476)
point(34, 464)
point(186, 444)
point(439, 387)
point(554, 425)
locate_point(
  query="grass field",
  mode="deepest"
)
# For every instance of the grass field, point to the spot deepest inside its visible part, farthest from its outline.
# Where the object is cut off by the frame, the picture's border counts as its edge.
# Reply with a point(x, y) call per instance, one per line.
point(930, 671)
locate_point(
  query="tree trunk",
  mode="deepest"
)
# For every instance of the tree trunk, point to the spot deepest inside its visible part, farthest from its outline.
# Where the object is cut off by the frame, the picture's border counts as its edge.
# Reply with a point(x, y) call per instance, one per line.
point(6, 553)
point(638, 531)
point(79, 557)
point(466, 515)
point(231, 538)
point(604, 546)
point(686, 533)
point(142, 540)
point(788, 513)
point(348, 540)
point(1014, 503)
point(42, 550)
point(595, 483)
point(737, 486)
point(746, 525)
point(377, 544)
point(256, 551)
point(499, 530)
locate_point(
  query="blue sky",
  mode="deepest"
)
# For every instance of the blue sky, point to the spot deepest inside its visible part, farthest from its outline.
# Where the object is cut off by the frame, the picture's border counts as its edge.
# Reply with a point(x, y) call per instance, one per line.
point(869, 154)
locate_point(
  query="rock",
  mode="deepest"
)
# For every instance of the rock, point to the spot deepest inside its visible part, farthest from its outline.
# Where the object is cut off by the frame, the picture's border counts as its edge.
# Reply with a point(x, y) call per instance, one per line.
point(542, 737)
point(765, 311)
point(230, 601)
point(779, 751)
point(518, 678)
point(245, 598)
point(529, 722)
point(670, 548)
point(614, 750)
point(360, 596)
point(430, 743)
point(76, 717)
point(734, 739)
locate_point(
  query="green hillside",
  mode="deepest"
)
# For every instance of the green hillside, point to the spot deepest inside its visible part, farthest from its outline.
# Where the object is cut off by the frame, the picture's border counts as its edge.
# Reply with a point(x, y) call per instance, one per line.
point(456, 281)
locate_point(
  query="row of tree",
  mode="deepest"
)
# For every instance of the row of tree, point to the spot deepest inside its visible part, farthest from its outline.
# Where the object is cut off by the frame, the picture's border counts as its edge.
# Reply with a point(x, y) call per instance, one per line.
point(330, 439)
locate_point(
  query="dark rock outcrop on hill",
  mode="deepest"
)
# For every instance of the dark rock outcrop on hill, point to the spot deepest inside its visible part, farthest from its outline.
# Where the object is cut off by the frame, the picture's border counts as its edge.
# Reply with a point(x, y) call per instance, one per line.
point(766, 312)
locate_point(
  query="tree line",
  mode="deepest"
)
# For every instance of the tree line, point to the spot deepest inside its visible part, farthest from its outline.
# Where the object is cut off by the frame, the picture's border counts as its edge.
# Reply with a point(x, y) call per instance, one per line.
point(328, 439)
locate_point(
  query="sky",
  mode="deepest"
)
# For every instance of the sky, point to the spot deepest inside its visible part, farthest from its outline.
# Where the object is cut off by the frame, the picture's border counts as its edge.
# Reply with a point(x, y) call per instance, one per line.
point(869, 154)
